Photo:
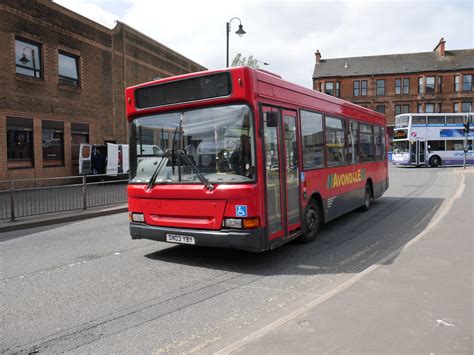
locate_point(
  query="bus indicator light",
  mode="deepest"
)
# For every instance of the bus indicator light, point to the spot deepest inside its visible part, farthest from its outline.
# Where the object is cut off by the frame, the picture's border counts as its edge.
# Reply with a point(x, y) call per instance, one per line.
point(250, 223)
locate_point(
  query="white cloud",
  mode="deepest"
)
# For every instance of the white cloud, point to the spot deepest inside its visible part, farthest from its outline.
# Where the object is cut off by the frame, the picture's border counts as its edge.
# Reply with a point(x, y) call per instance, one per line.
point(287, 33)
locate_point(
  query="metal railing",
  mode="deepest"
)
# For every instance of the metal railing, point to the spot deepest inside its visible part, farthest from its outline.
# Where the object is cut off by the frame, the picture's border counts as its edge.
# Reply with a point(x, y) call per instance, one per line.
point(32, 197)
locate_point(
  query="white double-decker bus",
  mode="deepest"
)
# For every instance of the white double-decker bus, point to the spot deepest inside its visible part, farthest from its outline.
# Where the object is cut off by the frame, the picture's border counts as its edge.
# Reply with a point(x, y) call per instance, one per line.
point(433, 139)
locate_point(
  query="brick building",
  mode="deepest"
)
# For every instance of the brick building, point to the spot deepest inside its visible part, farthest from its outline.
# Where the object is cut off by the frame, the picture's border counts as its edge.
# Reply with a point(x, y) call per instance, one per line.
point(437, 81)
point(62, 83)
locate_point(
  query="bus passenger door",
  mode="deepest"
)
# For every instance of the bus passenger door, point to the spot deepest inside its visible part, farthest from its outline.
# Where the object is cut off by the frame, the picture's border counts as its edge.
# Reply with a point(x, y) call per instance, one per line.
point(273, 203)
point(417, 152)
point(281, 170)
point(292, 193)
point(421, 152)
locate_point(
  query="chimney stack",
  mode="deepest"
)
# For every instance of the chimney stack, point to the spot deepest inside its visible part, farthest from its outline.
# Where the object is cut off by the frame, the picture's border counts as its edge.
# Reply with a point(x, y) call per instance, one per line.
point(440, 47)
point(318, 56)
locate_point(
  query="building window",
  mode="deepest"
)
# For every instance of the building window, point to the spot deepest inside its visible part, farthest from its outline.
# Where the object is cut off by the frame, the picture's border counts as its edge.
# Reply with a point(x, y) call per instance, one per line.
point(438, 107)
point(313, 140)
point(399, 109)
point(79, 135)
point(380, 87)
point(440, 84)
point(320, 86)
point(419, 108)
point(456, 107)
point(53, 143)
point(28, 58)
point(338, 89)
point(19, 143)
point(335, 141)
point(356, 90)
point(398, 86)
point(380, 108)
point(467, 82)
point(456, 83)
point(363, 88)
point(466, 107)
point(420, 85)
point(430, 85)
point(406, 86)
point(329, 88)
point(68, 69)
point(429, 108)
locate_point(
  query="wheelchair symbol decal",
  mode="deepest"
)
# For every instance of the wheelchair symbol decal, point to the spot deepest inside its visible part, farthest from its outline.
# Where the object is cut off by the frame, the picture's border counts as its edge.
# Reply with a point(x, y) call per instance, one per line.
point(241, 211)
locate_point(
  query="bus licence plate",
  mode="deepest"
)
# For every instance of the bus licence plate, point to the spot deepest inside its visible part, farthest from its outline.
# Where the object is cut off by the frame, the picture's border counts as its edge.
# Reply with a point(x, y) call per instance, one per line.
point(182, 239)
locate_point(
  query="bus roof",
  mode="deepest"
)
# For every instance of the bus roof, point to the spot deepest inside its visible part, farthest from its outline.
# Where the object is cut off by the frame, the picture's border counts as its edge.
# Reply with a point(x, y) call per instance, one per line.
point(265, 85)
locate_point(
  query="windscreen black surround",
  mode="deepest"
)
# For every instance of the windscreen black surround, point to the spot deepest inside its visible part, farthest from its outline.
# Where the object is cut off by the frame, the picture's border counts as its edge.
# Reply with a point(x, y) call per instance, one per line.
point(192, 89)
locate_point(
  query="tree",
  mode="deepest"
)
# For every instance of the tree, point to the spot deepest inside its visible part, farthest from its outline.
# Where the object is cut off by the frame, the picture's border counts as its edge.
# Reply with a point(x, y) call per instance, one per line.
point(244, 61)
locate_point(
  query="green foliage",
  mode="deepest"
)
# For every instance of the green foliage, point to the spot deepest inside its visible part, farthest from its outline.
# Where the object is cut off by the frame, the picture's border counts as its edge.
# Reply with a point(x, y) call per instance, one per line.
point(249, 61)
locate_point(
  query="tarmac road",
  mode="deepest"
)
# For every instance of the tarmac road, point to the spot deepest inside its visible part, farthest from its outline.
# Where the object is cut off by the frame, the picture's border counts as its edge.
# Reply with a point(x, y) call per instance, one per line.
point(87, 287)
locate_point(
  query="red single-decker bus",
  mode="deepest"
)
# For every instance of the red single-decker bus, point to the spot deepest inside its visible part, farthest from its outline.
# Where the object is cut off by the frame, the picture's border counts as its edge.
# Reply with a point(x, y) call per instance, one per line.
point(240, 158)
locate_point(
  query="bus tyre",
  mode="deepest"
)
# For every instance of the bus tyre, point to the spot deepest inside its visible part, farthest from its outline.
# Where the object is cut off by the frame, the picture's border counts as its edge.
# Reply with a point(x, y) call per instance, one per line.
point(312, 222)
point(367, 198)
point(435, 161)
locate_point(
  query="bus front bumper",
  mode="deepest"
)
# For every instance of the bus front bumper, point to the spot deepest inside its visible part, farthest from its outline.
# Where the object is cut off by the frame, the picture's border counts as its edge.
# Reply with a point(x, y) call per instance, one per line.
point(253, 240)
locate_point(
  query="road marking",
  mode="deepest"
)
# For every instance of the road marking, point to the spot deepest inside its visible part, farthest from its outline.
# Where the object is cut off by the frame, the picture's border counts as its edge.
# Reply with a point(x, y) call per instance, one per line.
point(440, 214)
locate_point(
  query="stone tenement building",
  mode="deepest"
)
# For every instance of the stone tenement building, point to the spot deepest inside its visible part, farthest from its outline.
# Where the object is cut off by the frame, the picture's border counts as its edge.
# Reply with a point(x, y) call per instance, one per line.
point(437, 81)
point(62, 79)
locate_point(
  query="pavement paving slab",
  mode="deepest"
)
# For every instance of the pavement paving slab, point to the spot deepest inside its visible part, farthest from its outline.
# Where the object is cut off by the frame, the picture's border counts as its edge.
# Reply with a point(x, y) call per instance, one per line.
point(419, 302)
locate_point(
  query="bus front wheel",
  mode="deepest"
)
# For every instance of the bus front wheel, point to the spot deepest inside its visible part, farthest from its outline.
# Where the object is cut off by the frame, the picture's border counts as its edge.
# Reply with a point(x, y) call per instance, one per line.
point(435, 161)
point(312, 222)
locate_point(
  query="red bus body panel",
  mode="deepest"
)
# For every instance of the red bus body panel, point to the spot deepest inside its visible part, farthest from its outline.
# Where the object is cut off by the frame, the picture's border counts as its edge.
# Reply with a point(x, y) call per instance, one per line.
point(195, 207)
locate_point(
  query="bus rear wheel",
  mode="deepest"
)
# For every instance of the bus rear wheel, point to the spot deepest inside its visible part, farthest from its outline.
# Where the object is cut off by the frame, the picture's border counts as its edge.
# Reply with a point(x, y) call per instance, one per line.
point(435, 161)
point(312, 222)
point(367, 198)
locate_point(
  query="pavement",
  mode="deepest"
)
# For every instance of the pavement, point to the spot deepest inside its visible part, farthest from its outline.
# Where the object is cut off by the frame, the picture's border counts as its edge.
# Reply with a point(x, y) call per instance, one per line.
point(416, 300)
point(61, 217)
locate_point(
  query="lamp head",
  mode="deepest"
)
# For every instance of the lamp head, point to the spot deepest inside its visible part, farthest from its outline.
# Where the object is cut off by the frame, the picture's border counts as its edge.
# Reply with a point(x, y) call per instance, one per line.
point(240, 31)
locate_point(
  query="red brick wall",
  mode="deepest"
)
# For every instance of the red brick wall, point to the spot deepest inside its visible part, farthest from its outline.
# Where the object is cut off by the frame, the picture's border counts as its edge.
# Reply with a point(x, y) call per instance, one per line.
point(446, 97)
point(104, 74)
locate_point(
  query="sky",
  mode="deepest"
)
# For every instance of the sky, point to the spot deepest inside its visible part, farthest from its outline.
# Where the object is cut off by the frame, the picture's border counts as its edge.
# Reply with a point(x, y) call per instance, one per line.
point(286, 34)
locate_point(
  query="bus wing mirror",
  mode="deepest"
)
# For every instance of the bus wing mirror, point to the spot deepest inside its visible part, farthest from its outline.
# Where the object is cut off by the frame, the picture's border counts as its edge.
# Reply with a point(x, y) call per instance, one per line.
point(272, 119)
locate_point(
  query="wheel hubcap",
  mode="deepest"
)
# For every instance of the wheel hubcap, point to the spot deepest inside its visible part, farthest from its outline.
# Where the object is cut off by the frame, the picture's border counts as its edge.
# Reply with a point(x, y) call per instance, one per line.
point(312, 219)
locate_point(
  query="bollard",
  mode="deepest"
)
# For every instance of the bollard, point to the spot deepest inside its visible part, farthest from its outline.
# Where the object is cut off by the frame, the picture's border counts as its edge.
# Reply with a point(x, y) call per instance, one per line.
point(12, 201)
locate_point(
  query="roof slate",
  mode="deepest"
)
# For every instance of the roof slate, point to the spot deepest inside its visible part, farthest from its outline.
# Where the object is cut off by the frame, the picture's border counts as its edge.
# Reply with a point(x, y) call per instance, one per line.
point(394, 64)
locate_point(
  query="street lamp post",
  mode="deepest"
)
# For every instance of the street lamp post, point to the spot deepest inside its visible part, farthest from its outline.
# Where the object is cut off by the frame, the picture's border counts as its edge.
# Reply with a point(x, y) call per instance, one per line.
point(239, 32)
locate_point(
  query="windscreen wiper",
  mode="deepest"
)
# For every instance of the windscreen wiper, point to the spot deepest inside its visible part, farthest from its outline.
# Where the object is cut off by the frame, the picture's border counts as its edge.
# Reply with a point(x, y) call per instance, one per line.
point(207, 184)
point(158, 169)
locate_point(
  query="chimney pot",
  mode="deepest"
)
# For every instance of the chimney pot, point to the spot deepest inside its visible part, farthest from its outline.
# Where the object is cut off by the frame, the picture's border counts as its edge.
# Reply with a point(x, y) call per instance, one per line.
point(440, 48)
point(318, 56)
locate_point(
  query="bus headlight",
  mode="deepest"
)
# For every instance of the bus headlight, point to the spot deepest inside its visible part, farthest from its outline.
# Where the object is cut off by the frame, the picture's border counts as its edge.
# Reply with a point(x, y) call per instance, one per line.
point(233, 223)
point(138, 217)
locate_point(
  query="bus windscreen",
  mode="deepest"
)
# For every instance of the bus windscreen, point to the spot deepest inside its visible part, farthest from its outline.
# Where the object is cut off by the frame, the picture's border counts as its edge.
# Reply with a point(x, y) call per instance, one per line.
point(197, 88)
